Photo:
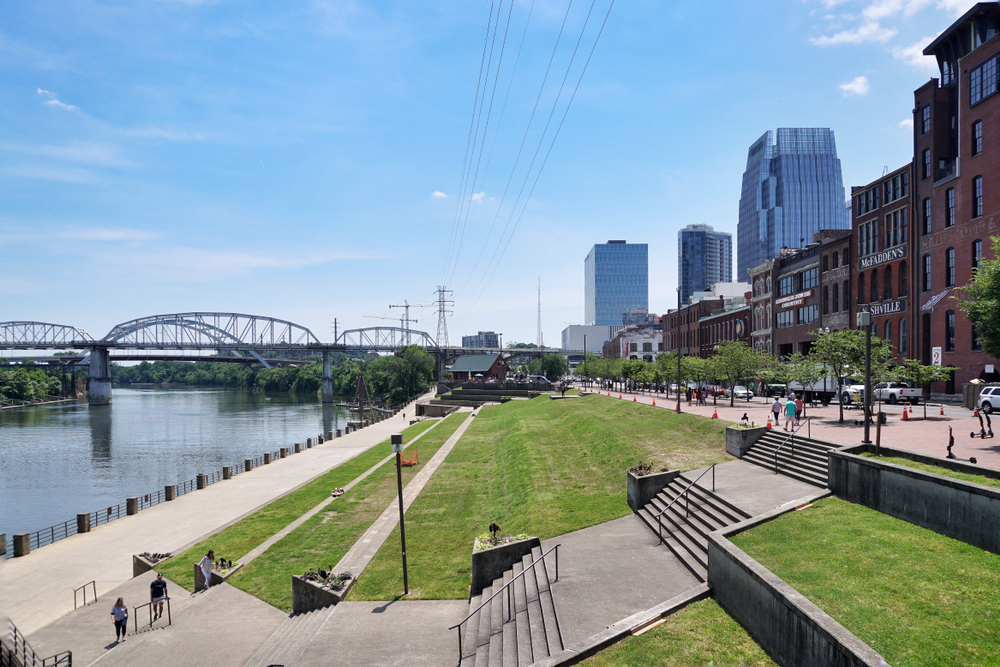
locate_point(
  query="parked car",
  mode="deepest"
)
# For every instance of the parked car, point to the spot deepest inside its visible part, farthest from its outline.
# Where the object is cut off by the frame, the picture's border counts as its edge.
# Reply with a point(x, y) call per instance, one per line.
point(989, 398)
point(897, 392)
point(741, 392)
point(714, 390)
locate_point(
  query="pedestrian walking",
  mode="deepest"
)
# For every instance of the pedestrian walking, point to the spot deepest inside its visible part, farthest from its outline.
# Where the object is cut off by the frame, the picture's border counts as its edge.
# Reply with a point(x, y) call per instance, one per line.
point(206, 567)
point(790, 411)
point(119, 614)
point(798, 409)
point(776, 409)
point(157, 594)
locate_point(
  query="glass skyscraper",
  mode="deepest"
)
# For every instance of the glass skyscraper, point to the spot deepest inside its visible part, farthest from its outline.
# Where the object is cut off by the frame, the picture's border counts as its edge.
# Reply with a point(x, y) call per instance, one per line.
point(706, 258)
point(615, 280)
point(792, 188)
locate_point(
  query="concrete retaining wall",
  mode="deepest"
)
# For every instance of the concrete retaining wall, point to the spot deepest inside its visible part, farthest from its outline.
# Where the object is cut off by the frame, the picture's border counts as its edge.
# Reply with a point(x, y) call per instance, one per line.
point(490, 564)
point(739, 440)
point(307, 595)
point(793, 630)
point(643, 489)
point(960, 510)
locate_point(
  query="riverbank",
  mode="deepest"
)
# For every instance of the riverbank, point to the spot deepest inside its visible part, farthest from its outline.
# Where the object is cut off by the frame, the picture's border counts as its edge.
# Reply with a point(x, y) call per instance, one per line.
point(55, 401)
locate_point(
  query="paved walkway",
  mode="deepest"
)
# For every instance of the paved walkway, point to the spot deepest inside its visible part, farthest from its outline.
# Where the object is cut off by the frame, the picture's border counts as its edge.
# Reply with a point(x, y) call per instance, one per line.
point(37, 589)
point(923, 435)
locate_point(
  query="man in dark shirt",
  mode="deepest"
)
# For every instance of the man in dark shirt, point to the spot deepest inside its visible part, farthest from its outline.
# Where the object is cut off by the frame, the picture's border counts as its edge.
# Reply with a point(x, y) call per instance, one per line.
point(157, 594)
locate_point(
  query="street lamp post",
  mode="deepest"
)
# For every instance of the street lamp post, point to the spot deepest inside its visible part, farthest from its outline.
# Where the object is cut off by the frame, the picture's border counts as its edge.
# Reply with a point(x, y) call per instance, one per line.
point(865, 320)
point(678, 342)
point(585, 376)
point(397, 448)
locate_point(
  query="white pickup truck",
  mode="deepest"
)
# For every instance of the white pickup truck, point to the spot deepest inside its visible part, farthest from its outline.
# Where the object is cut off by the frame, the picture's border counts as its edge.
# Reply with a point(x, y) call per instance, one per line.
point(897, 392)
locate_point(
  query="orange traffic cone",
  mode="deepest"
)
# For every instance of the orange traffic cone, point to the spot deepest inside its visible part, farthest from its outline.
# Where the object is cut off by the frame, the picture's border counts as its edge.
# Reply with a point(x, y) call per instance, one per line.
point(905, 418)
point(911, 408)
point(975, 412)
point(715, 415)
point(633, 399)
point(654, 402)
point(769, 422)
point(942, 409)
point(619, 395)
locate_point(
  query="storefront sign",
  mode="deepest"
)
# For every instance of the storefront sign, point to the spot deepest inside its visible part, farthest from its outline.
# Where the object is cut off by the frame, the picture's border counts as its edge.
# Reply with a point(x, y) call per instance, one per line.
point(891, 255)
point(793, 299)
point(888, 308)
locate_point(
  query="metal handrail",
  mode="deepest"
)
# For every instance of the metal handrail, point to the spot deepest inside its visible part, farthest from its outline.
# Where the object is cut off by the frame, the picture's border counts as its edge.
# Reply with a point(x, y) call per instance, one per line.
point(135, 626)
point(25, 655)
point(687, 507)
point(510, 600)
point(84, 589)
point(791, 439)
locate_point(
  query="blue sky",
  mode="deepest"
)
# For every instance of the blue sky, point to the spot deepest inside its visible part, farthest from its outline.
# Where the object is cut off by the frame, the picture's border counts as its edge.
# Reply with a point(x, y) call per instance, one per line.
point(304, 160)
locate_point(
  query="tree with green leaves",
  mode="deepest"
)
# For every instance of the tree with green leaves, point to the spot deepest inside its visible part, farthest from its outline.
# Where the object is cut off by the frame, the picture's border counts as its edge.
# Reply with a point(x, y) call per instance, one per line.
point(842, 354)
point(735, 361)
point(806, 370)
point(554, 366)
point(921, 375)
point(981, 302)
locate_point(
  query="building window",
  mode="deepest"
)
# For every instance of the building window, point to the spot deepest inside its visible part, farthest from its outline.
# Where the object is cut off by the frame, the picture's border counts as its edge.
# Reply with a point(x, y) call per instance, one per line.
point(977, 137)
point(925, 119)
point(786, 286)
point(977, 344)
point(861, 288)
point(826, 300)
point(904, 341)
point(633, 347)
point(977, 196)
point(808, 314)
point(809, 279)
point(927, 215)
point(949, 207)
point(786, 318)
point(888, 332)
point(826, 263)
point(895, 228)
point(836, 297)
point(949, 267)
point(977, 253)
point(927, 163)
point(836, 259)
point(927, 273)
point(874, 292)
point(904, 287)
point(888, 283)
point(847, 295)
point(949, 331)
point(982, 81)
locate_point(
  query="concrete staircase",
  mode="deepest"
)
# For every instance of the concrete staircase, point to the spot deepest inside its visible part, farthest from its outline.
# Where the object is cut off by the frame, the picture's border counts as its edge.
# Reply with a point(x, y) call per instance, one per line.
point(286, 644)
point(494, 637)
point(804, 459)
point(689, 520)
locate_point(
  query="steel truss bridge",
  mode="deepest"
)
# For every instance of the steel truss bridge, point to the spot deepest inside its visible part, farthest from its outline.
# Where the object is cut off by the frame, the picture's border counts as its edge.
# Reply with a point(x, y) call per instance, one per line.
point(231, 337)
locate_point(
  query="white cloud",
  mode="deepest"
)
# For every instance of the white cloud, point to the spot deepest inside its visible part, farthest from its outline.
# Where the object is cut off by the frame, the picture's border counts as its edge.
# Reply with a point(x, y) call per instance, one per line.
point(51, 174)
point(169, 135)
point(102, 154)
point(955, 7)
point(53, 102)
point(906, 123)
point(439, 195)
point(914, 55)
point(478, 196)
point(882, 9)
point(869, 31)
point(856, 86)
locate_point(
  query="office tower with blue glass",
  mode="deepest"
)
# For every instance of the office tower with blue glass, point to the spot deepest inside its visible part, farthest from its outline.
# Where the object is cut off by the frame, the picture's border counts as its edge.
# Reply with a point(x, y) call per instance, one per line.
point(792, 188)
point(706, 258)
point(615, 280)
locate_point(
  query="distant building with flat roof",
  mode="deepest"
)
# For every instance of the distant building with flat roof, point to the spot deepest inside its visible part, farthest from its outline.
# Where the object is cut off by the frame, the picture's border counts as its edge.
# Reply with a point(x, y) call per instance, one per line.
point(615, 281)
point(706, 258)
point(485, 339)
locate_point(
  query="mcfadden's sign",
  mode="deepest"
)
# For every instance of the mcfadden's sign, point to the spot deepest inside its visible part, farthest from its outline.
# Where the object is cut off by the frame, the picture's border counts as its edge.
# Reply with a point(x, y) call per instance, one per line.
point(891, 255)
point(889, 308)
point(793, 299)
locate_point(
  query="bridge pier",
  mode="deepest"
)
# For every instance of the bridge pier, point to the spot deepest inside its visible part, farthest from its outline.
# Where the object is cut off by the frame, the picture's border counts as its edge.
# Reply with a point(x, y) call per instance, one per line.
point(327, 378)
point(99, 385)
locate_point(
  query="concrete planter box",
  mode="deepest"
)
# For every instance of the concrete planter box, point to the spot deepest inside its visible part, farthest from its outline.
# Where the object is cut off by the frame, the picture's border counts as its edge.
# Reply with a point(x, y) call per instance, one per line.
point(308, 595)
point(793, 630)
point(490, 564)
point(739, 440)
point(643, 489)
point(217, 578)
point(961, 510)
point(141, 565)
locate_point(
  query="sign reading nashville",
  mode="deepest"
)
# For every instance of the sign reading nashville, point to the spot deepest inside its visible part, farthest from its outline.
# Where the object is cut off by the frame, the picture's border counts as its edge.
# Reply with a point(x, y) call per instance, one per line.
point(891, 255)
point(887, 308)
point(793, 299)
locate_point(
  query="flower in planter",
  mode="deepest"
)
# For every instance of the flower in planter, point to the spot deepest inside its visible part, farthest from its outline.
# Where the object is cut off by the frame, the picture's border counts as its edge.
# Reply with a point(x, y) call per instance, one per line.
point(490, 540)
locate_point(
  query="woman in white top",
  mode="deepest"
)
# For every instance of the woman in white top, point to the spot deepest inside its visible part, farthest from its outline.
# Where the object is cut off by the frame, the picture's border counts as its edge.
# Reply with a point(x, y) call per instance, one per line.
point(119, 614)
point(206, 567)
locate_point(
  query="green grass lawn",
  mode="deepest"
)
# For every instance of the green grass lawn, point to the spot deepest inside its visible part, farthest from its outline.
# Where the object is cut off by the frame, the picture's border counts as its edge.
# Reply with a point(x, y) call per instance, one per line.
point(916, 597)
point(938, 470)
point(324, 539)
point(700, 634)
point(243, 536)
point(540, 467)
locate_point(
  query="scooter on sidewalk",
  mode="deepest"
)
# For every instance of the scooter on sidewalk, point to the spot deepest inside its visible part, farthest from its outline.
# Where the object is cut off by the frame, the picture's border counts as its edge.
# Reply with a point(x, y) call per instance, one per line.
point(951, 443)
point(984, 432)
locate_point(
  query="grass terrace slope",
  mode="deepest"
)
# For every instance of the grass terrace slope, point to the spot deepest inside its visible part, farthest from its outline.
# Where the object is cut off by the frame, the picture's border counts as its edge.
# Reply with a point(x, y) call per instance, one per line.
point(938, 470)
point(700, 634)
point(324, 539)
point(916, 597)
point(542, 467)
point(243, 536)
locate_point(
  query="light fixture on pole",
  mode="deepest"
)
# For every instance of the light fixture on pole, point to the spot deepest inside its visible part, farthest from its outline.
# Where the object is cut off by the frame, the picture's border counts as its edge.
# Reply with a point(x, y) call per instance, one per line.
point(865, 320)
point(397, 448)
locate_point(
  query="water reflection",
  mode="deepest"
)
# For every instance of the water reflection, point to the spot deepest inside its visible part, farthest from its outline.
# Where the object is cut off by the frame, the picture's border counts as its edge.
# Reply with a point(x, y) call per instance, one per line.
point(56, 461)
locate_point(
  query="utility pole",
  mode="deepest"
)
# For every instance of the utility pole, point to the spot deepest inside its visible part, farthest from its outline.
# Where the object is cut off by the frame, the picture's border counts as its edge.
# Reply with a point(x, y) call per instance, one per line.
point(442, 304)
point(678, 343)
point(539, 341)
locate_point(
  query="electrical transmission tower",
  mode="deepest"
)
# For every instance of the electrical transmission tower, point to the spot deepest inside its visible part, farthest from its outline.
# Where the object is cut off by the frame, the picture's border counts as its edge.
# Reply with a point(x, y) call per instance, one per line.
point(442, 304)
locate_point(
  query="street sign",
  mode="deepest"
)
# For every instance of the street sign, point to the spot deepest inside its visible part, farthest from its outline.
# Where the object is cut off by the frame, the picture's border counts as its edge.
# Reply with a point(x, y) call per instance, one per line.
point(936, 356)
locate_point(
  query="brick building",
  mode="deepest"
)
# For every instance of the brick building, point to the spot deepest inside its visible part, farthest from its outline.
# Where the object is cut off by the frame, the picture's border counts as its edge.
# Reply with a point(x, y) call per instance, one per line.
point(705, 323)
point(956, 145)
point(835, 279)
point(883, 244)
point(729, 324)
point(635, 342)
point(761, 326)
